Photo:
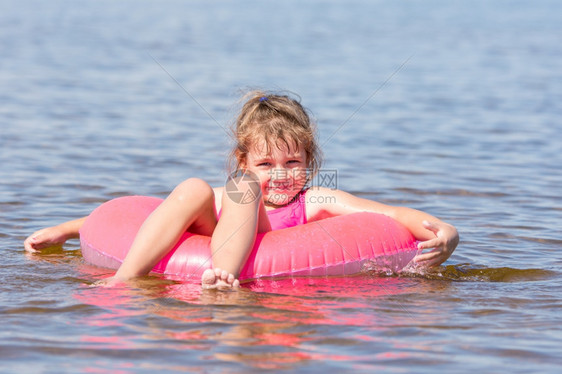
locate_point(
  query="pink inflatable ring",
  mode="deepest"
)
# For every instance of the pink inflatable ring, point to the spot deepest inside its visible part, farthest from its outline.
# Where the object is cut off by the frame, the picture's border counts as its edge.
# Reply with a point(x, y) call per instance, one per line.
point(334, 246)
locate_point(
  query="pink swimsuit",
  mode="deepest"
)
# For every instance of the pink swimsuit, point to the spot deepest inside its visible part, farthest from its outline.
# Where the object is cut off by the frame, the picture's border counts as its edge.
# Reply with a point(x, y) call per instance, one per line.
point(292, 214)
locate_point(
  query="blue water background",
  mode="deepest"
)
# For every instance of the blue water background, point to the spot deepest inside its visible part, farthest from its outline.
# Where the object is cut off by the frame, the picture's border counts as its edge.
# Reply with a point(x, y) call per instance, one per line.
point(450, 107)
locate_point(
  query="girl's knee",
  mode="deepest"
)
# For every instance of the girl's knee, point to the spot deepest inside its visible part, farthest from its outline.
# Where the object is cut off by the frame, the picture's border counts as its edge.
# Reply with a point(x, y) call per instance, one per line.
point(193, 189)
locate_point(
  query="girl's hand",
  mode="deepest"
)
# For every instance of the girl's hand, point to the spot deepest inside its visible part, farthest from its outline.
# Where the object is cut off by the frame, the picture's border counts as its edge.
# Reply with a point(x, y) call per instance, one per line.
point(444, 244)
point(44, 238)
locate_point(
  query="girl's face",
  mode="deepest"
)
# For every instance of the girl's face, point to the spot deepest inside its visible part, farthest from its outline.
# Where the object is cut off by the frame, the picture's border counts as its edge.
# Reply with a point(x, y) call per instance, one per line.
point(282, 172)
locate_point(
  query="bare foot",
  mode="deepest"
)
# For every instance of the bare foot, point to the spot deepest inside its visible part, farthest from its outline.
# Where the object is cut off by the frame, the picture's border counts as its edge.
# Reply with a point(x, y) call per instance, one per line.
point(217, 278)
point(108, 282)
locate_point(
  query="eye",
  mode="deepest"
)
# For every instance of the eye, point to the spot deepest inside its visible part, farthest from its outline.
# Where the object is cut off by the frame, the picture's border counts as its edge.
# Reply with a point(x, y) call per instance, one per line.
point(294, 162)
point(264, 164)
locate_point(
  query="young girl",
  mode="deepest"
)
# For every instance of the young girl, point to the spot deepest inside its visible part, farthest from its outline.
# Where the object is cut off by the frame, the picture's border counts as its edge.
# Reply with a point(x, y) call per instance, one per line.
point(276, 155)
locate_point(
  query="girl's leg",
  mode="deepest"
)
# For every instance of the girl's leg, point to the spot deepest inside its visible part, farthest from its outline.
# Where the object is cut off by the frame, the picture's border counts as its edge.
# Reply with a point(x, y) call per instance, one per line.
point(190, 205)
point(234, 236)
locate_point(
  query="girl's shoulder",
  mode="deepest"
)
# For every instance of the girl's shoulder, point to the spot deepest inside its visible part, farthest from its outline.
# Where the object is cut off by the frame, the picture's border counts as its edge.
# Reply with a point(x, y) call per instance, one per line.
point(319, 192)
point(320, 202)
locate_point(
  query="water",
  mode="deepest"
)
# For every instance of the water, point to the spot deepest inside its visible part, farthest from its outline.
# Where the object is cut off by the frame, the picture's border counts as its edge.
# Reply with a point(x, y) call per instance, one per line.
point(449, 107)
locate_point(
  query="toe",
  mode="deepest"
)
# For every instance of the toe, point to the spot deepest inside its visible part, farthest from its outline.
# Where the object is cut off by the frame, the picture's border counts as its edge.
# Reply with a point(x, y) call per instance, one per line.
point(217, 272)
point(224, 275)
point(208, 277)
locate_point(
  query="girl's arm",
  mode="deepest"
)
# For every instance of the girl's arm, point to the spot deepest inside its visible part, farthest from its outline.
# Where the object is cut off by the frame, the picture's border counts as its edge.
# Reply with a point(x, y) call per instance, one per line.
point(55, 235)
point(431, 231)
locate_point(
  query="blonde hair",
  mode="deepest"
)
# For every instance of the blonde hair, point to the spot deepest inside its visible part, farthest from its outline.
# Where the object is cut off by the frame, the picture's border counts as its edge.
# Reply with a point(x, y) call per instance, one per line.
point(277, 120)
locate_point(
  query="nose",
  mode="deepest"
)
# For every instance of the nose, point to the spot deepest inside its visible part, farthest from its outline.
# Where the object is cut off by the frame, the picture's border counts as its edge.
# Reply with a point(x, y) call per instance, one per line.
point(279, 174)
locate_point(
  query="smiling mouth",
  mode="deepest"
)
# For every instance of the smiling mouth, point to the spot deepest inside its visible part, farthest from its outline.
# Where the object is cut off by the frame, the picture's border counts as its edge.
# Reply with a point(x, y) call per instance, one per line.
point(278, 192)
point(279, 189)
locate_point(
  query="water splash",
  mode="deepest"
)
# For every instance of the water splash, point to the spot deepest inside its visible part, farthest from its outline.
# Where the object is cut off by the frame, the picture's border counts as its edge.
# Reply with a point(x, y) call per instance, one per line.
point(477, 273)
